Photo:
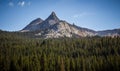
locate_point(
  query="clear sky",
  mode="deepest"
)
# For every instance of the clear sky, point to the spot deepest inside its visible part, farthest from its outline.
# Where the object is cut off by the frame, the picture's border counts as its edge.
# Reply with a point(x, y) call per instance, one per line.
point(92, 14)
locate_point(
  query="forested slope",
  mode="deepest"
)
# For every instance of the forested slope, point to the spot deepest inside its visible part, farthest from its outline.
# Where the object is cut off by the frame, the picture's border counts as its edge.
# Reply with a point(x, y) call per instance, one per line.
point(19, 53)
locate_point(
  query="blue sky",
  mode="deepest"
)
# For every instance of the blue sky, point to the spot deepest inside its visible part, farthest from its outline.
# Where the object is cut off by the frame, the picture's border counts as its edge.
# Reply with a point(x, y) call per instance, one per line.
point(92, 14)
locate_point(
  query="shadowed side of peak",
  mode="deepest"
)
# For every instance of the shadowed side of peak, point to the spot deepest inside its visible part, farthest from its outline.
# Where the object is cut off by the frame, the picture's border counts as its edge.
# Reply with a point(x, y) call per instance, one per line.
point(36, 21)
point(53, 13)
point(33, 25)
point(39, 19)
point(53, 17)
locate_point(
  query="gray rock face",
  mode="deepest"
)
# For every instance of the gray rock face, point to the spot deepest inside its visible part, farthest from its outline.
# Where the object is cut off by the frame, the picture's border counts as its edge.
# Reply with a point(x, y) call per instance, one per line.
point(63, 29)
point(33, 26)
point(53, 27)
point(51, 20)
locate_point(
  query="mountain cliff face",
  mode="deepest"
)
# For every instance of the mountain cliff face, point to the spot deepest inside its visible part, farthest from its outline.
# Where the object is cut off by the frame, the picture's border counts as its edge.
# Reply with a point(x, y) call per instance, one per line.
point(33, 26)
point(53, 27)
point(63, 29)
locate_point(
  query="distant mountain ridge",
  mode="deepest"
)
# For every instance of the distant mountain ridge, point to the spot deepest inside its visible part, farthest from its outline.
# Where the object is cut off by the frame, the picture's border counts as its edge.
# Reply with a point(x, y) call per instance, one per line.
point(53, 27)
point(114, 32)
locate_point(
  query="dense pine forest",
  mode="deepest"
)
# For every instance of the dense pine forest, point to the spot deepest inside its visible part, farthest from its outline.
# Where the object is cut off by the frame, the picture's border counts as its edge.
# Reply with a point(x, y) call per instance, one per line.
point(19, 52)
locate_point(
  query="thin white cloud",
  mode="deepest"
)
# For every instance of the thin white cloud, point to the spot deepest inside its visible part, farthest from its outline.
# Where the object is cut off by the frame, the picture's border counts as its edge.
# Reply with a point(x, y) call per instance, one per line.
point(21, 3)
point(82, 15)
point(11, 4)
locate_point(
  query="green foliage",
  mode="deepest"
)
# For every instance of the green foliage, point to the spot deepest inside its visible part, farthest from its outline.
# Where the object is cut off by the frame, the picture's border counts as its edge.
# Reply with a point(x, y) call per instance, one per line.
point(19, 53)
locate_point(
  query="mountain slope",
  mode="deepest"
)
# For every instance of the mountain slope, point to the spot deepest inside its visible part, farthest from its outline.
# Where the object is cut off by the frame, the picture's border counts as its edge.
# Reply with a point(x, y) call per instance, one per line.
point(51, 20)
point(53, 27)
point(34, 25)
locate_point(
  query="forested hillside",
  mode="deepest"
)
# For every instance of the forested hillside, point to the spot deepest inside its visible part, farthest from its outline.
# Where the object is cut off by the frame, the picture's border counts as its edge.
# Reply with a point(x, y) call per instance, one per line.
point(19, 53)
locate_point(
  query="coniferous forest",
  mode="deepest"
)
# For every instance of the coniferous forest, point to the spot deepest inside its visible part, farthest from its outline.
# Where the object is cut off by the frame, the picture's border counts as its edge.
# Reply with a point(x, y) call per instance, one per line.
point(19, 52)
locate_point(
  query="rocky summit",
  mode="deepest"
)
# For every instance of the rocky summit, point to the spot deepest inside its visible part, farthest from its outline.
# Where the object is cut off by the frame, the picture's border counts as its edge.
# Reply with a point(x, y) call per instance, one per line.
point(53, 27)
